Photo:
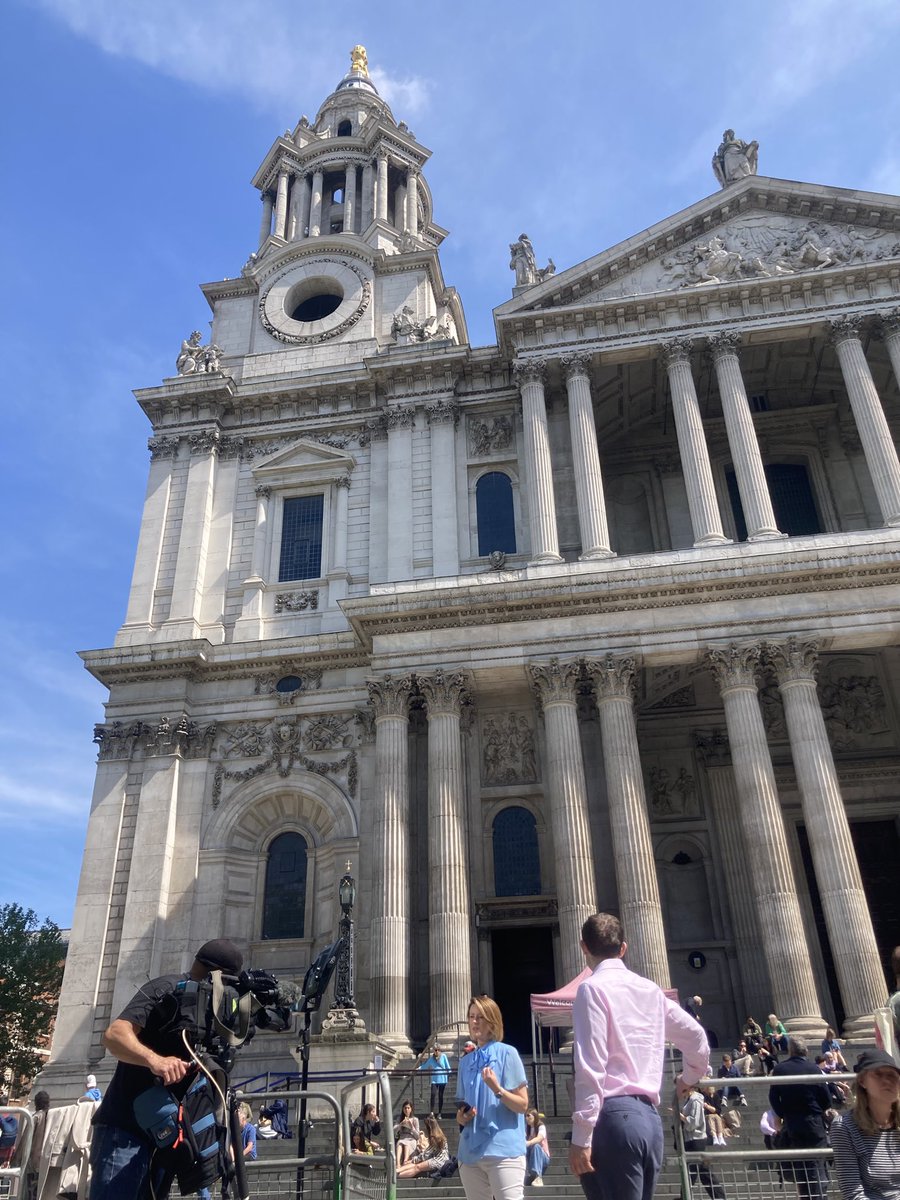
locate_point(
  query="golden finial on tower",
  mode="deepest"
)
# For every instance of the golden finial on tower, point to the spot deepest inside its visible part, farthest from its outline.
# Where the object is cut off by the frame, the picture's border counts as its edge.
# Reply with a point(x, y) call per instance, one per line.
point(359, 62)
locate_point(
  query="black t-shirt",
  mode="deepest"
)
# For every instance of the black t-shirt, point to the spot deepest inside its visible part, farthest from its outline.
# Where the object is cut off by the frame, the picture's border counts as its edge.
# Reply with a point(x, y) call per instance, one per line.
point(155, 1009)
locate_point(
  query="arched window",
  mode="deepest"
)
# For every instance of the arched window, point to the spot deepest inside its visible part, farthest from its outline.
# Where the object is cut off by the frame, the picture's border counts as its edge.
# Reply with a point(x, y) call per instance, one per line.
point(284, 905)
point(517, 863)
point(345, 129)
point(494, 512)
point(793, 501)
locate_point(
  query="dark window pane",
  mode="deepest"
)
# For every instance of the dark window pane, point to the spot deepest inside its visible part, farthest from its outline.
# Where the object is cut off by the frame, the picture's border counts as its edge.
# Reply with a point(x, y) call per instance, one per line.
point(301, 538)
point(792, 500)
point(494, 509)
point(517, 864)
point(284, 906)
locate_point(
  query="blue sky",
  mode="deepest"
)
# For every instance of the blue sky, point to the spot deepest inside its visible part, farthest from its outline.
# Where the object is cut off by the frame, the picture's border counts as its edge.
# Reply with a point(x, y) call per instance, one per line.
point(131, 131)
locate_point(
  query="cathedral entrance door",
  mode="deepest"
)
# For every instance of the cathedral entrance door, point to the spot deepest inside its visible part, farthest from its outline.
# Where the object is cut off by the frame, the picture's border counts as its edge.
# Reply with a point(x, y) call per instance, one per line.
point(523, 963)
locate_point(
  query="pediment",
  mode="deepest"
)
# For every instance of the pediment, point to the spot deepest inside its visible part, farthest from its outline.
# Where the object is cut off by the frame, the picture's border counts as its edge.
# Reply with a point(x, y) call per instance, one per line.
point(303, 460)
point(760, 229)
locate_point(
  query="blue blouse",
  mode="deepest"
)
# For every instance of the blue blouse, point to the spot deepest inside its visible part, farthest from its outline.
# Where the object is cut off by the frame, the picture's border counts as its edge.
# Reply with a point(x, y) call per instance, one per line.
point(495, 1131)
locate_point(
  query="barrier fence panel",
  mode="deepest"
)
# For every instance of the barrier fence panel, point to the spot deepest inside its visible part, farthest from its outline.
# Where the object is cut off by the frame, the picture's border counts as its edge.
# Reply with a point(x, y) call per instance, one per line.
point(14, 1154)
point(277, 1173)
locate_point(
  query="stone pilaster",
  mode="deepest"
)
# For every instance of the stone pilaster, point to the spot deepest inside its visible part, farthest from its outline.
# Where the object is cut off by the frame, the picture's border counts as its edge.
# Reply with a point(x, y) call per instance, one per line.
point(375, 435)
point(838, 877)
point(315, 204)
point(193, 543)
point(412, 202)
point(350, 199)
point(389, 973)
point(529, 375)
point(265, 220)
point(150, 540)
point(249, 624)
point(706, 521)
point(381, 187)
point(442, 416)
point(554, 683)
point(281, 201)
point(874, 434)
point(742, 441)
point(400, 422)
point(449, 915)
point(589, 496)
point(639, 903)
point(301, 206)
point(782, 939)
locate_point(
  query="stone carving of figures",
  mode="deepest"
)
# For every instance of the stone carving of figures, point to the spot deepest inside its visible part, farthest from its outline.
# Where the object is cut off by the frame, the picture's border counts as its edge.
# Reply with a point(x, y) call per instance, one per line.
point(445, 329)
point(660, 801)
point(212, 355)
point(508, 754)
point(715, 263)
point(685, 787)
point(523, 262)
point(405, 328)
point(808, 253)
point(188, 360)
point(734, 159)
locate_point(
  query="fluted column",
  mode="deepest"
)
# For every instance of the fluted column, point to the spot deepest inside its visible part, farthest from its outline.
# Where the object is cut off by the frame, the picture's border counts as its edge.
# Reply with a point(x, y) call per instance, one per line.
point(265, 220)
point(449, 914)
point(367, 200)
point(341, 508)
point(838, 877)
point(890, 330)
point(874, 434)
point(706, 521)
point(412, 201)
point(315, 204)
point(300, 205)
point(782, 939)
point(529, 375)
point(381, 188)
point(281, 199)
point(745, 455)
point(576, 896)
point(589, 496)
point(639, 904)
point(389, 974)
point(350, 199)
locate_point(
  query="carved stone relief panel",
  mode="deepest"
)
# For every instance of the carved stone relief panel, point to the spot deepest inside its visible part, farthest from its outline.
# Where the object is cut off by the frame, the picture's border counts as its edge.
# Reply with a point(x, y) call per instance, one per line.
point(489, 435)
point(671, 786)
point(854, 703)
point(508, 751)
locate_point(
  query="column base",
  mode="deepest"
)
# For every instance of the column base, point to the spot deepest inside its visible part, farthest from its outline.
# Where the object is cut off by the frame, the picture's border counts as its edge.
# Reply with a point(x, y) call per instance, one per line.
point(807, 1025)
point(893, 522)
point(767, 535)
point(714, 539)
point(544, 560)
point(859, 1030)
point(596, 552)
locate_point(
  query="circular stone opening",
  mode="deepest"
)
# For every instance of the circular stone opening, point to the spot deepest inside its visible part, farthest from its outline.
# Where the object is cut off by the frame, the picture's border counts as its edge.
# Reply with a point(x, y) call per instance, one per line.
point(314, 299)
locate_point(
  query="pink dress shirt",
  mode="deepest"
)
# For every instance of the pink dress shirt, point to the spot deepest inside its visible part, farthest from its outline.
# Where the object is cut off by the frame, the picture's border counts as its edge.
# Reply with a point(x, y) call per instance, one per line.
point(622, 1023)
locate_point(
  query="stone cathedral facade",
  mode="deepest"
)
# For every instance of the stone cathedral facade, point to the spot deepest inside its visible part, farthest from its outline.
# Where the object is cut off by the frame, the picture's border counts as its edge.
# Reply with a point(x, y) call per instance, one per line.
point(605, 615)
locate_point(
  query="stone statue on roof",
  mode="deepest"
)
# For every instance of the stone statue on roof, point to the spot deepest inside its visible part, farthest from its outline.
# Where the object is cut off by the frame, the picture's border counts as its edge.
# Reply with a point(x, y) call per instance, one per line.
point(359, 60)
point(734, 159)
point(524, 263)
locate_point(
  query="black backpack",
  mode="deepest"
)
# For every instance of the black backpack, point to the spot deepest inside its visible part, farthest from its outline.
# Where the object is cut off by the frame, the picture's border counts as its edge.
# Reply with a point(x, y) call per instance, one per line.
point(187, 1132)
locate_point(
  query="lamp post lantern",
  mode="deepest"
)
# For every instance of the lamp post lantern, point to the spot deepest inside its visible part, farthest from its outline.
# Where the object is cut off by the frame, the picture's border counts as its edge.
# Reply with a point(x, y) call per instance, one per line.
point(343, 1017)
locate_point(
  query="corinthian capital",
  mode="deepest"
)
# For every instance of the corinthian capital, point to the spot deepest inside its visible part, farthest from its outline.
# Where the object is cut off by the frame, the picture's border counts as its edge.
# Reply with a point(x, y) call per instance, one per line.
point(726, 342)
point(575, 364)
point(614, 676)
point(555, 682)
point(734, 666)
point(841, 329)
point(793, 660)
point(529, 370)
point(389, 697)
point(890, 321)
point(444, 692)
point(442, 412)
point(676, 350)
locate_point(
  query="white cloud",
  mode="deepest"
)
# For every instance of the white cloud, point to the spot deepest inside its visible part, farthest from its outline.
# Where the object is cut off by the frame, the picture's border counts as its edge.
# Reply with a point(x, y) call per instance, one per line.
point(29, 805)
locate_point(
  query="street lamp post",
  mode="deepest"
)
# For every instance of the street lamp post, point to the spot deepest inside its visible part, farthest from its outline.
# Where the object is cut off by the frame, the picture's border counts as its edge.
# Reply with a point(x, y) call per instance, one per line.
point(343, 1016)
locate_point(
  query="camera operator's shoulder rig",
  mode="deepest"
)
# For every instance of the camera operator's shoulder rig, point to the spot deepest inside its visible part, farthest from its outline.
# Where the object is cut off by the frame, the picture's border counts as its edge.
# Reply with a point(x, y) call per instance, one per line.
point(227, 1010)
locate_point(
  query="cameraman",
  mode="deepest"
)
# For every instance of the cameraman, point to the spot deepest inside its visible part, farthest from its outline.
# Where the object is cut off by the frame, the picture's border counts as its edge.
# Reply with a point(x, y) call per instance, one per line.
point(146, 1039)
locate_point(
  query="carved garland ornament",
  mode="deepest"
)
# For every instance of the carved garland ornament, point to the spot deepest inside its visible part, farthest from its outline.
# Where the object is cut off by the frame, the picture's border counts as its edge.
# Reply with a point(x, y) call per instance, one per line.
point(287, 335)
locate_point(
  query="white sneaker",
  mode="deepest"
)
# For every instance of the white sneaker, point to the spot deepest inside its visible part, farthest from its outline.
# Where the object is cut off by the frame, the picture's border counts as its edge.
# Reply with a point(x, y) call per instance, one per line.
point(537, 1181)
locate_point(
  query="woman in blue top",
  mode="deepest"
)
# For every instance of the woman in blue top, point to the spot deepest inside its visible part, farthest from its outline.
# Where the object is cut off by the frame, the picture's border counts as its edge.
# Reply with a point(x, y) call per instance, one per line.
point(439, 1066)
point(491, 1096)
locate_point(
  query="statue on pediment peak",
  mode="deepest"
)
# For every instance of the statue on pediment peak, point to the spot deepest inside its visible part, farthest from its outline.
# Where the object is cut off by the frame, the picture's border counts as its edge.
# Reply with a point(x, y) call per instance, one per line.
point(734, 159)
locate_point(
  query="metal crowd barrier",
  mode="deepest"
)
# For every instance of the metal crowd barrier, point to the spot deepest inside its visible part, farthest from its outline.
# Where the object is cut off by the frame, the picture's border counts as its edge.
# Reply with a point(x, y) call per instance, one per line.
point(13, 1169)
point(723, 1173)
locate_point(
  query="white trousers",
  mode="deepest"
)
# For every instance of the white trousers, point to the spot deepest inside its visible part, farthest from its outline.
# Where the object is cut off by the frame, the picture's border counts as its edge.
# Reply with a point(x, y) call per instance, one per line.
point(502, 1178)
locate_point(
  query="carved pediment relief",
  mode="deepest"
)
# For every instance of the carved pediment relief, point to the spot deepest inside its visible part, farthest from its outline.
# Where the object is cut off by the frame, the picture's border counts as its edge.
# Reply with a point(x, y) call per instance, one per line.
point(303, 459)
point(754, 245)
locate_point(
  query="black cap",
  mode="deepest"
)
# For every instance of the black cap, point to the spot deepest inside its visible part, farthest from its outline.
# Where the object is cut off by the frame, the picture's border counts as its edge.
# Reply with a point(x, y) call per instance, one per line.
point(870, 1059)
point(221, 955)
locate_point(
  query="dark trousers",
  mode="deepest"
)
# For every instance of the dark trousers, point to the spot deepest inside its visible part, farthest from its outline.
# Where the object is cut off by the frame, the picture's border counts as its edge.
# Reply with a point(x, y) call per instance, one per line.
point(437, 1099)
point(700, 1172)
point(626, 1151)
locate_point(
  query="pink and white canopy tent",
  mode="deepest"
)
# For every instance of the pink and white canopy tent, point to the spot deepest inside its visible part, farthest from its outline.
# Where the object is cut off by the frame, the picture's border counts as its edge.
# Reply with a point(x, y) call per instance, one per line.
point(553, 1008)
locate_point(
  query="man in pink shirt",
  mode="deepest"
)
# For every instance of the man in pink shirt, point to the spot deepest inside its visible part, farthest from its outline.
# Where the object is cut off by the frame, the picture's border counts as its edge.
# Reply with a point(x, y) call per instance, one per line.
point(622, 1023)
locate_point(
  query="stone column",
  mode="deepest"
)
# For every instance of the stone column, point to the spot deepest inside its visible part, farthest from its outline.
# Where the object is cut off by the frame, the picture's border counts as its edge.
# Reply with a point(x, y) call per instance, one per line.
point(592, 522)
point(341, 508)
point(698, 479)
point(265, 221)
point(367, 202)
point(412, 202)
point(782, 939)
point(249, 624)
point(389, 973)
point(400, 422)
point(281, 199)
point(639, 903)
point(449, 916)
point(376, 436)
point(874, 434)
point(163, 451)
point(400, 206)
point(840, 885)
point(745, 455)
point(315, 204)
point(193, 543)
point(381, 190)
point(890, 330)
point(576, 896)
point(350, 199)
point(529, 375)
point(442, 416)
point(300, 208)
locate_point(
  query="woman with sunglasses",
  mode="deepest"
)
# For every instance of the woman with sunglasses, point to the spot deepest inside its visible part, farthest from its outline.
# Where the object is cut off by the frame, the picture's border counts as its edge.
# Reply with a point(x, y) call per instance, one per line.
point(492, 1096)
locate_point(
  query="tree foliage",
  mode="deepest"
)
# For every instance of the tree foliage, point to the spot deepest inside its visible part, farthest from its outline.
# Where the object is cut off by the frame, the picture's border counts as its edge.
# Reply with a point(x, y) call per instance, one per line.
point(31, 966)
